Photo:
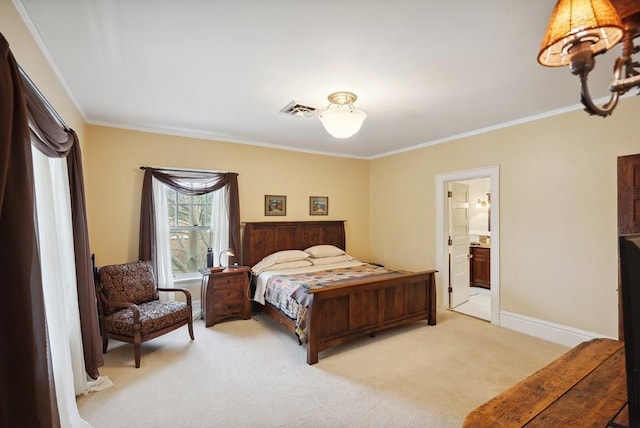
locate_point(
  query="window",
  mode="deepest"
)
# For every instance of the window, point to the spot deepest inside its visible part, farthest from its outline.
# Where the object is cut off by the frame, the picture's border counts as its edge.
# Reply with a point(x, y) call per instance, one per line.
point(190, 230)
point(178, 246)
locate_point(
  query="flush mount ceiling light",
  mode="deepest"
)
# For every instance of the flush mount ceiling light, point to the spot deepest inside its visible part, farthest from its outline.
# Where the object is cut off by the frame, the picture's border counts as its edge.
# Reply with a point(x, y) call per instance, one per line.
point(579, 30)
point(341, 119)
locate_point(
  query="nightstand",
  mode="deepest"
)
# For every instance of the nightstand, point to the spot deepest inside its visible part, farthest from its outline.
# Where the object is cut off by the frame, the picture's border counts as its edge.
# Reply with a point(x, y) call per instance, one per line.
point(225, 295)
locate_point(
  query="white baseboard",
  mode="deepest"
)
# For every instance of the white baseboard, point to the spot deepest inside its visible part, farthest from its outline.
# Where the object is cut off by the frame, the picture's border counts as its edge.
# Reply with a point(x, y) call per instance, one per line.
point(552, 332)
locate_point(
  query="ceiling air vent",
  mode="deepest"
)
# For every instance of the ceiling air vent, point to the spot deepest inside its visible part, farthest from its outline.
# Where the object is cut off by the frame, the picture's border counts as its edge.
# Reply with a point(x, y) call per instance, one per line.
point(298, 110)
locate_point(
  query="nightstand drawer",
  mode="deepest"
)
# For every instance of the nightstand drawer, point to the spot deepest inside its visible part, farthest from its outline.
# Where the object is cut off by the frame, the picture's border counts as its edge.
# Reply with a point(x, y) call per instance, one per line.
point(234, 281)
point(228, 293)
point(228, 309)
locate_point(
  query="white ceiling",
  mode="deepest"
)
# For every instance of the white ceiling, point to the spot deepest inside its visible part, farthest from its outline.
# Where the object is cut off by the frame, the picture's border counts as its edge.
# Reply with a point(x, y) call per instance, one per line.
point(424, 71)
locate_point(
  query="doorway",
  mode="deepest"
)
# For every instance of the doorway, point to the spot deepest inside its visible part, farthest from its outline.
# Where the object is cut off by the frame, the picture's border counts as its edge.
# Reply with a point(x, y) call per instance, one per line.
point(470, 254)
point(444, 182)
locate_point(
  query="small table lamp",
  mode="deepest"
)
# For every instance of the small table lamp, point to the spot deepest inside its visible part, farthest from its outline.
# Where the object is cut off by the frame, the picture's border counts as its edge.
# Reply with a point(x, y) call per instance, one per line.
point(229, 252)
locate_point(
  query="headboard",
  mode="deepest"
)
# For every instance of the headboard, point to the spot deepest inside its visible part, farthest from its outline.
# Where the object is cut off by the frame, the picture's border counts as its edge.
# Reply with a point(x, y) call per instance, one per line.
point(263, 238)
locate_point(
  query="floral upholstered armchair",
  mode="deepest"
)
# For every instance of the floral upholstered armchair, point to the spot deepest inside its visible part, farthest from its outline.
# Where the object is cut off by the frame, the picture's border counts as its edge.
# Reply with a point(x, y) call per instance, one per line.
point(129, 307)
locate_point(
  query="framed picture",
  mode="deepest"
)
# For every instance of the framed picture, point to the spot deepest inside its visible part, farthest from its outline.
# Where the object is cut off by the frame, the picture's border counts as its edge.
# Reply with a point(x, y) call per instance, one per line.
point(275, 205)
point(318, 205)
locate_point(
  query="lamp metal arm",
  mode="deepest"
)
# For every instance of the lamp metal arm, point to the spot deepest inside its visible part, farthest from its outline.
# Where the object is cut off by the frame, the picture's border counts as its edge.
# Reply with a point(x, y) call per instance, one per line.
point(626, 73)
point(632, 69)
point(585, 96)
point(623, 85)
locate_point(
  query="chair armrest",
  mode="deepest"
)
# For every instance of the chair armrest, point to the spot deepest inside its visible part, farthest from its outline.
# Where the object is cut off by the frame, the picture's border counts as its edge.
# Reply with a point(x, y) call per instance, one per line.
point(123, 305)
point(186, 292)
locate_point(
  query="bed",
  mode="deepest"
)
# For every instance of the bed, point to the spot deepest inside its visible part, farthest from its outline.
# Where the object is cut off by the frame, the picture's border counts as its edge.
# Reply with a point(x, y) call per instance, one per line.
point(347, 309)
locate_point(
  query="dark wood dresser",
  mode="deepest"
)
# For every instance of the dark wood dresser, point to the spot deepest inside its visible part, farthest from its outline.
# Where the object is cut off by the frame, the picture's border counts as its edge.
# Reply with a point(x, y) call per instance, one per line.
point(225, 295)
point(480, 263)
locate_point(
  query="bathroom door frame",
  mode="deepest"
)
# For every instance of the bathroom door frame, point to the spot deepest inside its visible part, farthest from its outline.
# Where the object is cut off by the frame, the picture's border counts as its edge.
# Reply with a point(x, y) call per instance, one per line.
point(441, 233)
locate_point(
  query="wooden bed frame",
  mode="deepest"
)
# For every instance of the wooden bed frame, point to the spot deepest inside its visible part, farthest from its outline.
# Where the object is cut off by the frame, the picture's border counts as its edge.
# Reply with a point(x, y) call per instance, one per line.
point(341, 313)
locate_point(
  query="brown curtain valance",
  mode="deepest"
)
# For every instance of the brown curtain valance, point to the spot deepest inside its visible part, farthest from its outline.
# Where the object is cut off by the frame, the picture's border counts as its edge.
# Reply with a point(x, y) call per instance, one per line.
point(49, 134)
point(181, 181)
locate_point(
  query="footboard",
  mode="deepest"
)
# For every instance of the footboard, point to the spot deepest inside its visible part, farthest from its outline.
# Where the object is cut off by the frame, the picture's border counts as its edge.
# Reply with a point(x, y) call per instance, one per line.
point(342, 313)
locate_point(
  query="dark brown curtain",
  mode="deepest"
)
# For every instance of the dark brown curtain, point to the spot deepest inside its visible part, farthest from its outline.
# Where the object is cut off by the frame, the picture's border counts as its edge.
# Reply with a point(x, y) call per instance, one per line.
point(27, 392)
point(50, 135)
point(91, 340)
point(176, 179)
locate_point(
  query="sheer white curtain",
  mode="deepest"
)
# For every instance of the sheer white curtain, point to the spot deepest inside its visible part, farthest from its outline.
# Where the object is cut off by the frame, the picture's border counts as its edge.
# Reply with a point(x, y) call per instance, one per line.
point(163, 246)
point(220, 222)
point(59, 283)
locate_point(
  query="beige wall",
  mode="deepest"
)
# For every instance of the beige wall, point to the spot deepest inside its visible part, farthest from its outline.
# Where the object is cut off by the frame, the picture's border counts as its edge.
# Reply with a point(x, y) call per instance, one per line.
point(114, 182)
point(558, 211)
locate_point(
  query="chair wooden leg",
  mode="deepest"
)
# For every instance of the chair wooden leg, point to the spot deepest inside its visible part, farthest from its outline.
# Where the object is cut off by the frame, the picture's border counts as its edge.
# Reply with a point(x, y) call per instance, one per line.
point(136, 344)
point(190, 324)
point(105, 342)
point(136, 354)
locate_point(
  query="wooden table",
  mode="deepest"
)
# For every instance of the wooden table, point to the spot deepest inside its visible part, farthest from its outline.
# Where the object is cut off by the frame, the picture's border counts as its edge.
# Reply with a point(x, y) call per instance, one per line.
point(586, 387)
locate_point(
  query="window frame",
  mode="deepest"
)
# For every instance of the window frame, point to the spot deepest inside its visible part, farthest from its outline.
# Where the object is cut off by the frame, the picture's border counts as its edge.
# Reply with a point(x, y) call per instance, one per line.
point(177, 200)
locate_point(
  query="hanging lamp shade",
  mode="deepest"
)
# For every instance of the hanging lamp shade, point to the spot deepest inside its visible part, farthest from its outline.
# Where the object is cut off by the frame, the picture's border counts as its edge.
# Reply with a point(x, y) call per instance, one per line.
point(341, 119)
point(574, 22)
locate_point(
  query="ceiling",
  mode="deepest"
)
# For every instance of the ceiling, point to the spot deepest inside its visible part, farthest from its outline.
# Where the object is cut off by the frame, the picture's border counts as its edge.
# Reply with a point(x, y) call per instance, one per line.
point(424, 71)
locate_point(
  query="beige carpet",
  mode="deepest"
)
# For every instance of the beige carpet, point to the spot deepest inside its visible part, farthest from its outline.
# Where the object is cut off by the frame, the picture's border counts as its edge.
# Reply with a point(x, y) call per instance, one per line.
point(253, 374)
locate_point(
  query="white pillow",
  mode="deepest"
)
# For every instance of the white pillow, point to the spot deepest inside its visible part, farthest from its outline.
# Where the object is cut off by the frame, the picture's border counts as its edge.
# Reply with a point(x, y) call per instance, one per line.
point(330, 260)
point(280, 257)
point(324, 251)
point(284, 266)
